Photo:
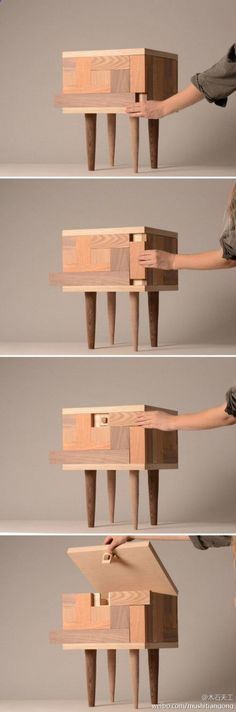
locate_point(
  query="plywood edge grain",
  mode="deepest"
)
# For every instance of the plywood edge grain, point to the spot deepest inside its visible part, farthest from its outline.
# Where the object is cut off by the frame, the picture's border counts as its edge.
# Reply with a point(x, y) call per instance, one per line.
point(118, 646)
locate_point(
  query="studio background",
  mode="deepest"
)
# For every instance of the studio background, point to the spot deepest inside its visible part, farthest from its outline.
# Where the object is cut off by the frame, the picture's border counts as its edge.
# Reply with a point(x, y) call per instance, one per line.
point(32, 38)
point(33, 215)
point(35, 571)
point(33, 393)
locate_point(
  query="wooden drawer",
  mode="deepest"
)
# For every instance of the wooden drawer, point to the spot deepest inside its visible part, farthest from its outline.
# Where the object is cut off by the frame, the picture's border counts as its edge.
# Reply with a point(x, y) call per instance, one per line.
point(107, 259)
point(110, 437)
point(100, 78)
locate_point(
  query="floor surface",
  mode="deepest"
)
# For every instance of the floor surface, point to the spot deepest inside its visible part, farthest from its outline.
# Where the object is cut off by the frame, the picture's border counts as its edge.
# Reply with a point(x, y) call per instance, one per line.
point(28, 348)
point(36, 170)
point(43, 526)
point(78, 706)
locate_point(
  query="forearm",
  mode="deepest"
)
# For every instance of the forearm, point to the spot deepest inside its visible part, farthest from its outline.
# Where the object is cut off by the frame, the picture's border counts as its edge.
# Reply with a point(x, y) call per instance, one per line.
point(203, 261)
point(203, 420)
point(187, 97)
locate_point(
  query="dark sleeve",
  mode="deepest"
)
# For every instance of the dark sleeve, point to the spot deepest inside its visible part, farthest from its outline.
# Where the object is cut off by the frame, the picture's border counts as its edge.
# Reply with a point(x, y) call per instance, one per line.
point(219, 81)
point(228, 239)
point(231, 401)
point(206, 542)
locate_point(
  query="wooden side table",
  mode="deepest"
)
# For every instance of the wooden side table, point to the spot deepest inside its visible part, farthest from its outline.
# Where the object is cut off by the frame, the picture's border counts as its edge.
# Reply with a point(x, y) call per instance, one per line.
point(135, 608)
point(108, 437)
point(106, 81)
point(107, 260)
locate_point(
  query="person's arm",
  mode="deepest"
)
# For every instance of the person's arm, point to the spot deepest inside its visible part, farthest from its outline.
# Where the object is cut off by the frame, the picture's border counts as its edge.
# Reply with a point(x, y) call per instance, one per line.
point(202, 420)
point(160, 259)
point(199, 541)
point(158, 109)
point(112, 542)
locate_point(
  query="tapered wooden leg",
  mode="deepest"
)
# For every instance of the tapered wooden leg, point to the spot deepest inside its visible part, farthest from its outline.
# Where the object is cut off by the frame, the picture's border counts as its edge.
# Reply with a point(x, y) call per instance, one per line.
point(153, 665)
point(111, 662)
point(134, 663)
point(90, 487)
point(134, 310)
point(90, 308)
point(111, 130)
point(134, 492)
point(111, 310)
point(134, 129)
point(111, 489)
point(90, 126)
point(91, 664)
point(153, 130)
point(153, 489)
point(153, 310)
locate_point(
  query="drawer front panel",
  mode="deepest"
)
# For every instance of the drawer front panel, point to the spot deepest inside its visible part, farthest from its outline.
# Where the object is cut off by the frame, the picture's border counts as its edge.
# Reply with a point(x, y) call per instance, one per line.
point(96, 75)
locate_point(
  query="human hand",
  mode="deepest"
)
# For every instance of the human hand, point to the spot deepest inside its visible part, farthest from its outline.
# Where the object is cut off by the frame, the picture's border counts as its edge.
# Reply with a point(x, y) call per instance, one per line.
point(156, 419)
point(157, 259)
point(146, 109)
point(113, 541)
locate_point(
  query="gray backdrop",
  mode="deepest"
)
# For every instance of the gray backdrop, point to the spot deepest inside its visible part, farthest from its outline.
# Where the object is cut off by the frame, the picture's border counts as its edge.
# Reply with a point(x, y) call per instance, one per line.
point(32, 37)
point(33, 392)
point(35, 571)
point(33, 215)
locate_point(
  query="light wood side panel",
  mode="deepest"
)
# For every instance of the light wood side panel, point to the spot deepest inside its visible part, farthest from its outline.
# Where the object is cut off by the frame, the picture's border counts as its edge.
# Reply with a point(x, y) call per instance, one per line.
point(107, 62)
point(138, 74)
point(136, 270)
point(100, 617)
point(138, 624)
point(94, 100)
point(87, 457)
point(120, 260)
point(113, 240)
point(95, 278)
point(129, 598)
point(120, 635)
point(120, 438)
point(76, 610)
point(118, 419)
point(100, 81)
point(137, 444)
point(83, 74)
point(120, 616)
point(76, 431)
point(120, 80)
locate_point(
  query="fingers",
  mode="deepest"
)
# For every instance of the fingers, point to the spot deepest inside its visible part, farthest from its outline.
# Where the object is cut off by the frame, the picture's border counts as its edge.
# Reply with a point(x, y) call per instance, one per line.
point(136, 109)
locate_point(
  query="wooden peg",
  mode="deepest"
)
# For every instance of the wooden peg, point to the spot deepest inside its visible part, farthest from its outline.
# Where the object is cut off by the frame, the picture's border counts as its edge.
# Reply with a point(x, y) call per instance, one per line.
point(111, 489)
point(134, 309)
point(90, 487)
point(134, 492)
point(134, 664)
point(91, 664)
point(90, 126)
point(111, 311)
point(153, 489)
point(111, 663)
point(111, 130)
point(153, 310)
point(153, 666)
point(90, 308)
point(153, 130)
point(134, 129)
